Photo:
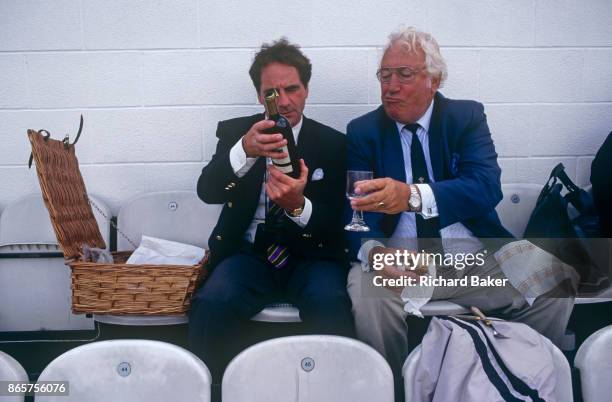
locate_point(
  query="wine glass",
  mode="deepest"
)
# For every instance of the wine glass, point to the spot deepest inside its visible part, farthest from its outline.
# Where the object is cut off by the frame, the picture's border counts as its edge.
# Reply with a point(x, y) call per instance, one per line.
point(357, 224)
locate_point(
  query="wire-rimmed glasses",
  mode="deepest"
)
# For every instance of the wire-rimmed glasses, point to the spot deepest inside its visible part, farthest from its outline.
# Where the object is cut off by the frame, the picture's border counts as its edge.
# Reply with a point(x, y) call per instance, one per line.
point(405, 74)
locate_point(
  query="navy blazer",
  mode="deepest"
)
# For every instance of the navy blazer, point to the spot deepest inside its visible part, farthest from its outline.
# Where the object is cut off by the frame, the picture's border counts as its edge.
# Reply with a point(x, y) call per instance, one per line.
point(467, 183)
point(322, 148)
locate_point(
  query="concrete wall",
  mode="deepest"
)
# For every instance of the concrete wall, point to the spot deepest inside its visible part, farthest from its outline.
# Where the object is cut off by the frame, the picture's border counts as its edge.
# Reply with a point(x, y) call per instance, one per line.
point(152, 78)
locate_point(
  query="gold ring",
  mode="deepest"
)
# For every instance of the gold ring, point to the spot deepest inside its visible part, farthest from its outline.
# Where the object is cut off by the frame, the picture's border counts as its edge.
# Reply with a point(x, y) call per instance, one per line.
point(381, 204)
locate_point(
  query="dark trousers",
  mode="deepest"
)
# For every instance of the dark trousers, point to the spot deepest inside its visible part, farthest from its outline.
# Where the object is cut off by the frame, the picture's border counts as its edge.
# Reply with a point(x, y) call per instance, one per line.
point(241, 285)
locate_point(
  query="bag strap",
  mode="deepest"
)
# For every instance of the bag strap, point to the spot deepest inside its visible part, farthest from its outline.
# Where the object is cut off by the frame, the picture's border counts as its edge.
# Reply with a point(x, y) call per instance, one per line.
point(559, 172)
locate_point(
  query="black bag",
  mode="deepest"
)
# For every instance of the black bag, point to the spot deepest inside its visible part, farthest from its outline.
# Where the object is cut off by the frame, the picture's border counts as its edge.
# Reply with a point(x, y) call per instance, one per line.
point(551, 228)
point(601, 179)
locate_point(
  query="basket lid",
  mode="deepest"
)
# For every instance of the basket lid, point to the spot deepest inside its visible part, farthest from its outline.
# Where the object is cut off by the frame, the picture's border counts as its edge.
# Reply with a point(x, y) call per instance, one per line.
point(64, 194)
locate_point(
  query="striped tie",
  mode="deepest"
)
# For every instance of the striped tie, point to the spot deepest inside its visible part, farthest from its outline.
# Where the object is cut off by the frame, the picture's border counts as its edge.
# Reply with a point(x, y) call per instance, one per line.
point(276, 254)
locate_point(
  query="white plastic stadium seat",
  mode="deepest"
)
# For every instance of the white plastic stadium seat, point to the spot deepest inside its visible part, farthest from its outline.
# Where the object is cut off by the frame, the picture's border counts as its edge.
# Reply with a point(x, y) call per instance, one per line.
point(602, 297)
point(443, 307)
point(129, 370)
point(11, 370)
point(312, 368)
point(29, 249)
point(278, 312)
point(26, 222)
point(171, 215)
point(515, 208)
point(594, 360)
point(563, 388)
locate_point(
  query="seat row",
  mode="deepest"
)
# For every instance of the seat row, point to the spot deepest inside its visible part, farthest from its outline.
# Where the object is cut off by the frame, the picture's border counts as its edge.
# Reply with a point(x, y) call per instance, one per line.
point(305, 368)
point(26, 231)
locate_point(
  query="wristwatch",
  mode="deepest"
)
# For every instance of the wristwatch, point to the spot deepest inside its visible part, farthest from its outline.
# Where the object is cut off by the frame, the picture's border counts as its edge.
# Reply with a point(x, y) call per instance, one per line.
point(414, 202)
point(296, 212)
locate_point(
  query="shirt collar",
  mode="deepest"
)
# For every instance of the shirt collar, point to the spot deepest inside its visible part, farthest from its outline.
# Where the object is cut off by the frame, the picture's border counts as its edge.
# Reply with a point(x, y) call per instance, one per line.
point(296, 129)
point(423, 121)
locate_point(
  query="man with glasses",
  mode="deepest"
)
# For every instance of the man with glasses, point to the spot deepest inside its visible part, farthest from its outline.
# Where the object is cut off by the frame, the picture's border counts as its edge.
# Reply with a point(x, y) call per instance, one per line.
point(304, 260)
point(436, 177)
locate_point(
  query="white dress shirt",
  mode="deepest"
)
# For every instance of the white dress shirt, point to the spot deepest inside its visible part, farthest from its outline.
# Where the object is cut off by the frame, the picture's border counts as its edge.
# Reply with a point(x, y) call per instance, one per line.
point(241, 164)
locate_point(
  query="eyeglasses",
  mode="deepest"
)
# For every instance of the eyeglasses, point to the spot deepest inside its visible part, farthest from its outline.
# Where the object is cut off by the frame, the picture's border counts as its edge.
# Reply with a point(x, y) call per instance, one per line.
point(405, 74)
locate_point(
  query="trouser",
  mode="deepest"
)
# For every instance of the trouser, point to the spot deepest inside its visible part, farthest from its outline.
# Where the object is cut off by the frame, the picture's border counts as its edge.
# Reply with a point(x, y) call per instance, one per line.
point(241, 285)
point(380, 319)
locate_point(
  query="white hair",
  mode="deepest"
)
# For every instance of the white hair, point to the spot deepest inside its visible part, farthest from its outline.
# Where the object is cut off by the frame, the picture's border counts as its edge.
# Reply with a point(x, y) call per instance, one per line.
point(411, 40)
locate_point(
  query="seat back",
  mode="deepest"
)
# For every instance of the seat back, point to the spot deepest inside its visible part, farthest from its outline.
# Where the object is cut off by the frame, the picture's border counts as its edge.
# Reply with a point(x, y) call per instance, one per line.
point(129, 370)
point(29, 249)
point(563, 386)
point(26, 222)
point(11, 370)
point(171, 215)
point(307, 369)
point(594, 360)
point(515, 208)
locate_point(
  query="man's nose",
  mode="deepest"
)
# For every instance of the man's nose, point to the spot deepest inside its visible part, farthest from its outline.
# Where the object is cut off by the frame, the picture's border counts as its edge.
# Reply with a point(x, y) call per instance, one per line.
point(393, 85)
point(283, 99)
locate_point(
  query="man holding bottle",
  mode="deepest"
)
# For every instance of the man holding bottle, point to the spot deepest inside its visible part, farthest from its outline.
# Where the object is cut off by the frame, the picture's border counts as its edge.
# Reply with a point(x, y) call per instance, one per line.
point(278, 237)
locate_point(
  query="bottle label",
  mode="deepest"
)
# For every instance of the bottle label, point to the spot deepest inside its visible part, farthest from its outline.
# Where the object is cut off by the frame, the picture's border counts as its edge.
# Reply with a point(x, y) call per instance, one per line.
point(285, 169)
point(283, 164)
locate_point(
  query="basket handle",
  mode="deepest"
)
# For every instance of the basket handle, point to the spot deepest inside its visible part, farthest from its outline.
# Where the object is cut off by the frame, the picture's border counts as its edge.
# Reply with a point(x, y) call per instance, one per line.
point(66, 140)
point(47, 135)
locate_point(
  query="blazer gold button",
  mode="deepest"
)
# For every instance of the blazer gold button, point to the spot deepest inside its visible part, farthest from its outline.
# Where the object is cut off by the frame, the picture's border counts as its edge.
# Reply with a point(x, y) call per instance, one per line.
point(230, 204)
point(306, 235)
point(346, 250)
point(320, 245)
point(218, 237)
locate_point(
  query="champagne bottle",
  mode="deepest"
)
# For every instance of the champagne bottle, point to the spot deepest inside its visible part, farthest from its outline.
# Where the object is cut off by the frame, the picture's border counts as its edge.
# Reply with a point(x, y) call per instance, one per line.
point(289, 165)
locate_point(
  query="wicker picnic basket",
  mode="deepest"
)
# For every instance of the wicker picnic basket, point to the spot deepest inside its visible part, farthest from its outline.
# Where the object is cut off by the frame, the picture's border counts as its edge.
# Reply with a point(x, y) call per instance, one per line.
point(103, 288)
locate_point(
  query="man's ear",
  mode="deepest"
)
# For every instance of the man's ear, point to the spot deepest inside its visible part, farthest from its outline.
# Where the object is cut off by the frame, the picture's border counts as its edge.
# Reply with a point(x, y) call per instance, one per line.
point(435, 84)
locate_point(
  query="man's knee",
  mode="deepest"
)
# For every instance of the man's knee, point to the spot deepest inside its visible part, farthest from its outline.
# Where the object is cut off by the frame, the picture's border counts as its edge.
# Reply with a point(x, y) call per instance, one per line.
point(368, 300)
point(211, 300)
point(324, 299)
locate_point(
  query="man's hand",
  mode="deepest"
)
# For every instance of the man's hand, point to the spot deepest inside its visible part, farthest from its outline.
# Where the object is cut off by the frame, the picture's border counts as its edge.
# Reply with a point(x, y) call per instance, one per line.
point(256, 143)
point(391, 271)
point(286, 191)
point(383, 195)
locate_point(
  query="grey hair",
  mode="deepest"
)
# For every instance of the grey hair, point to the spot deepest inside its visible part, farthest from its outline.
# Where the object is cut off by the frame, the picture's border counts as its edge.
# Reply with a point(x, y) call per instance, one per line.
point(410, 39)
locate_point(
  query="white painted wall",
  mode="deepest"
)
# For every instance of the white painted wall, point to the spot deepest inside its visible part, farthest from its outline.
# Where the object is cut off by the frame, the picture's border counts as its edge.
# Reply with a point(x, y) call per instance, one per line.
point(152, 78)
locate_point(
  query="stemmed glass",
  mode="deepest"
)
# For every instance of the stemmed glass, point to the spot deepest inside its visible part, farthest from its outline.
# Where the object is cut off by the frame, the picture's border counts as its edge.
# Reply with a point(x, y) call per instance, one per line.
point(357, 224)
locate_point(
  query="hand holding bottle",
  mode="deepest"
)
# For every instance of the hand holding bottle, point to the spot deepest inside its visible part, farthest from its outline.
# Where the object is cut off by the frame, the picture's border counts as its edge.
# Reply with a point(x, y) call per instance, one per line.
point(257, 143)
point(284, 190)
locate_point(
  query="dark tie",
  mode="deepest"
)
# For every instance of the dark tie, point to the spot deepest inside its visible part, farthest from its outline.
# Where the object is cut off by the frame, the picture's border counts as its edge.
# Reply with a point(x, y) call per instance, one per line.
point(426, 228)
point(276, 253)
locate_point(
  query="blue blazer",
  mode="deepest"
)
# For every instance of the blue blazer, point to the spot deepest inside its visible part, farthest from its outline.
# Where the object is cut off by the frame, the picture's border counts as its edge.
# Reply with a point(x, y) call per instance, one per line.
point(467, 177)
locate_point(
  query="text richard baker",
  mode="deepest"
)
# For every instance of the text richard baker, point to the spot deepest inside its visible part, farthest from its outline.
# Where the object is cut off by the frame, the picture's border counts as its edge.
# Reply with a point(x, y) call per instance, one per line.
point(427, 280)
